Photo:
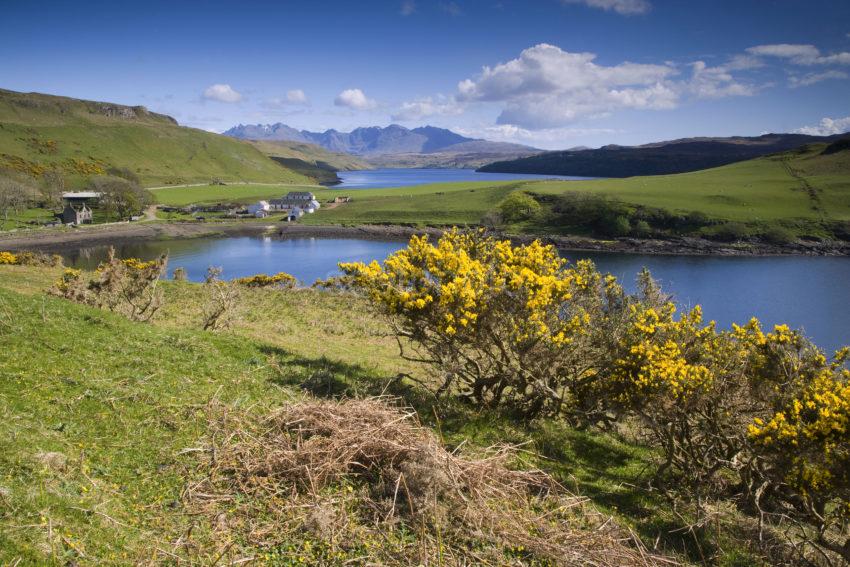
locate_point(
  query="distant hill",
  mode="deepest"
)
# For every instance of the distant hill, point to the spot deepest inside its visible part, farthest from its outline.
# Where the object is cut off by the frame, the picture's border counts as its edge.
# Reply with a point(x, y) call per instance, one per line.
point(662, 158)
point(394, 145)
point(310, 160)
point(81, 138)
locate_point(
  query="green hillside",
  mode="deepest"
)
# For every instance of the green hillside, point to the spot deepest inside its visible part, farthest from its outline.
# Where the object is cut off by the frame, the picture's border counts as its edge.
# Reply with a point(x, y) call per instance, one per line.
point(805, 183)
point(82, 138)
point(809, 186)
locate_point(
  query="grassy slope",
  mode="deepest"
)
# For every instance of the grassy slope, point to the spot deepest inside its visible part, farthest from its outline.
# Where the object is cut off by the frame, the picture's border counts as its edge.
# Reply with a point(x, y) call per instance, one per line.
point(151, 145)
point(761, 189)
point(122, 411)
point(310, 153)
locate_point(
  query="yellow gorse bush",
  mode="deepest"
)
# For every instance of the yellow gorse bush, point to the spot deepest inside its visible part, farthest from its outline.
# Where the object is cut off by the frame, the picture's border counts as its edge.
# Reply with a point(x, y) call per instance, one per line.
point(280, 279)
point(519, 326)
point(504, 323)
point(808, 439)
point(655, 360)
point(464, 277)
point(8, 258)
point(29, 259)
point(128, 286)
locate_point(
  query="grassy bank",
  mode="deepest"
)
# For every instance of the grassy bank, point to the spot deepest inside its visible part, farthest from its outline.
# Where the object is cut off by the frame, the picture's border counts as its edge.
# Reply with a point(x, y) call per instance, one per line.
point(99, 436)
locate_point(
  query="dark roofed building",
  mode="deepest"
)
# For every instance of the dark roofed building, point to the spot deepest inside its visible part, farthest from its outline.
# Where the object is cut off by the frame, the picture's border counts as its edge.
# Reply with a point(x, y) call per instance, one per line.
point(76, 209)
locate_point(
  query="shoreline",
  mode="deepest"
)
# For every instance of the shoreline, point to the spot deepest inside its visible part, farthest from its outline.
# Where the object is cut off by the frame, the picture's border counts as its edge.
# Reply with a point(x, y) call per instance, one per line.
point(56, 240)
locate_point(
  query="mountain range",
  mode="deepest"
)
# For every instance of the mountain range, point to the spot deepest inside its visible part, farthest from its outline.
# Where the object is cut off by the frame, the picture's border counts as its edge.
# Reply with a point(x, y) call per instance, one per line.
point(377, 141)
point(660, 158)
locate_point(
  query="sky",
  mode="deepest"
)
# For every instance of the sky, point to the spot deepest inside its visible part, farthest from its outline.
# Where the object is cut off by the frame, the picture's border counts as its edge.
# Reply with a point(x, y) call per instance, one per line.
point(547, 73)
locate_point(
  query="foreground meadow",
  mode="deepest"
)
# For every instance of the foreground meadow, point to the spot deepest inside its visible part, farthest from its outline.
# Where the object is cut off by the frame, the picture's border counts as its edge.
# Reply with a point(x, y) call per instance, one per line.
point(119, 439)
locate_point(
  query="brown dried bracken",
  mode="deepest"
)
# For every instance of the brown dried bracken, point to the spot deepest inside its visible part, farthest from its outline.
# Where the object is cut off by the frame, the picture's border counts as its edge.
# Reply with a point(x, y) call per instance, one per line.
point(348, 473)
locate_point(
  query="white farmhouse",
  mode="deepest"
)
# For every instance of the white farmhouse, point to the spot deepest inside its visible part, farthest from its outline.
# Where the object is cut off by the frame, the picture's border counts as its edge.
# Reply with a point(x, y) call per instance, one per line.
point(260, 209)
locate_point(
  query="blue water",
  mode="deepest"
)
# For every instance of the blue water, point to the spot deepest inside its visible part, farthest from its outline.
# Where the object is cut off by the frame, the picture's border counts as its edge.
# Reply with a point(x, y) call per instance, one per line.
point(377, 178)
point(806, 292)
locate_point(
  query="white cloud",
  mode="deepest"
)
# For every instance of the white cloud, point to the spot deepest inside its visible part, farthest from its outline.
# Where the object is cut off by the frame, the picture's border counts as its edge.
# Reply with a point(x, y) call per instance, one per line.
point(546, 87)
point(222, 93)
point(295, 97)
point(624, 7)
point(716, 82)
point(812, 78)
point(827, 127)
point(354, 98)
point(428, 106)
point(548, 138)
point(408, 7)
point(800, 54)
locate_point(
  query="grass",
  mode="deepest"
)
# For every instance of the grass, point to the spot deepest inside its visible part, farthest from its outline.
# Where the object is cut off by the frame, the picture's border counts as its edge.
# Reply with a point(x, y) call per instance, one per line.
point(236, 193)
point(435, 204)
point(100, 417)
point(26, 218)
point(81, 138)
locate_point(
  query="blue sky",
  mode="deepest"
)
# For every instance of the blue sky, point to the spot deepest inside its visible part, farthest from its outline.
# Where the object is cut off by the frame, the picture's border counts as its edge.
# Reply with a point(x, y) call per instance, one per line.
point(548, 73)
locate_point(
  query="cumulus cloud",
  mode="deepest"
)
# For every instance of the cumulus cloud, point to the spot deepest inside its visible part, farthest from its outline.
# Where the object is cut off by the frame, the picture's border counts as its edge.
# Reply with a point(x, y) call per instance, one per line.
point(551, 137)
point(827, 127)
point(221, 92)
point(294, 97)
point(812, 78)
point(623, 7)
point(428, 106)
point(408, 7)
point(546, 87)
point(716, 82)
point(354, 98)
point(800, 54)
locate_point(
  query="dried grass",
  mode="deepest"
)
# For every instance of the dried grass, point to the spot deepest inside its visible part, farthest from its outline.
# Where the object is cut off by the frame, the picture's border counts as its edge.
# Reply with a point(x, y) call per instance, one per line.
point(369, 483)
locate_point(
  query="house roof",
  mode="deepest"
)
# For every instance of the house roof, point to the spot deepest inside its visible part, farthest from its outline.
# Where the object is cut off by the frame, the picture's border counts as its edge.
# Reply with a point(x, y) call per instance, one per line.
point(81, 195)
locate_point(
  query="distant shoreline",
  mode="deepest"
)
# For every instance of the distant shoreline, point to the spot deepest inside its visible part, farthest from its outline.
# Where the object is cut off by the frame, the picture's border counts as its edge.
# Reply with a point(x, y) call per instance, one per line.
point(57, 240)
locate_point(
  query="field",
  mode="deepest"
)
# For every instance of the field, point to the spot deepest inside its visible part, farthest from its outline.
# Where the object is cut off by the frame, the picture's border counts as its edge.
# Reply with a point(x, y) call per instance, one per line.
point(99, 437)
point(82, 138)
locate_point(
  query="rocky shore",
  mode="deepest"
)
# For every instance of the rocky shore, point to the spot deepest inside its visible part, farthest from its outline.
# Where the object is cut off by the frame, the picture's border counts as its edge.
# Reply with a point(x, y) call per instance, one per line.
point(56, 240)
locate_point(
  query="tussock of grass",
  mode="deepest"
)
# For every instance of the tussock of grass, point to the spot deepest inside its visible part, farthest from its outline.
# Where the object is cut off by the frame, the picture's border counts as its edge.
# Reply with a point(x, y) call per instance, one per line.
point(358, 471)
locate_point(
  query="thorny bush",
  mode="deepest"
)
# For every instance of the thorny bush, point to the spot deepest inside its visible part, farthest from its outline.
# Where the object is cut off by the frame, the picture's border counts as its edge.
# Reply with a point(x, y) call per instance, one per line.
point(128, 286)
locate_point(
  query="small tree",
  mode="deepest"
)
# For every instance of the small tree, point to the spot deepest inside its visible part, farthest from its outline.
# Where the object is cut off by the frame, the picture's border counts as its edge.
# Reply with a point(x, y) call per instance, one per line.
point(120, 197)
point(518, 206)
point(14, 196)
point(51, 188)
